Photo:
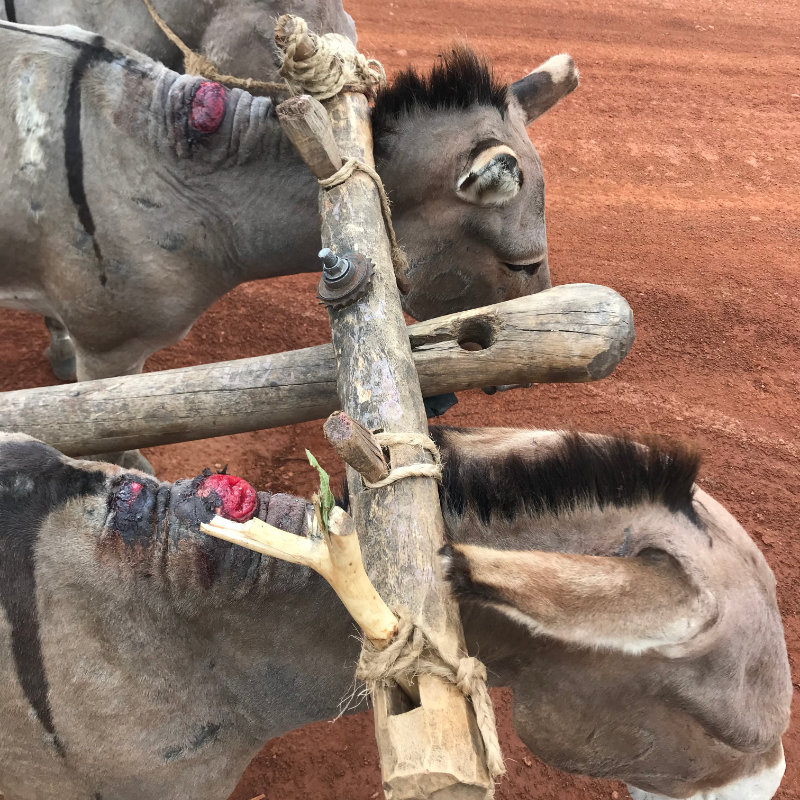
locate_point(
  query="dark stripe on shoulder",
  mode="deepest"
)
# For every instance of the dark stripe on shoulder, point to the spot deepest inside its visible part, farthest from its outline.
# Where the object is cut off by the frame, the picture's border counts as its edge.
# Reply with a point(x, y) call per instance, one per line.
point(582, 471)
point(11, 12)
point(73, 145)
point(34, 482)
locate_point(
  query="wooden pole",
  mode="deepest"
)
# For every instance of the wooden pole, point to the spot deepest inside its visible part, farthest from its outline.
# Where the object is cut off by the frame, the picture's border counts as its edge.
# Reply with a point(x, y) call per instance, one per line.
point(436, 747)
point(571, 333)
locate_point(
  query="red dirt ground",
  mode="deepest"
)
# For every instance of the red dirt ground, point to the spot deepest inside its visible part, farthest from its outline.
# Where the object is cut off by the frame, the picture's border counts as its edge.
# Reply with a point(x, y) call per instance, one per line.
point(673, 176)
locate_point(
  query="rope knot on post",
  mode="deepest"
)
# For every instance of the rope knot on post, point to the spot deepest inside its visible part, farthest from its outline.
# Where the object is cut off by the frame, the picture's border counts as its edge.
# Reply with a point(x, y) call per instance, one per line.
point(413, 652)
point(419, 470)
point(333, 64)
point(319, 65)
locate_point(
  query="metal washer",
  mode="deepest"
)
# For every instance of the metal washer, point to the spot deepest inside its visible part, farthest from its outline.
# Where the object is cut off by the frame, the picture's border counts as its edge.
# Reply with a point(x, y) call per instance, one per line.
point(351, 287)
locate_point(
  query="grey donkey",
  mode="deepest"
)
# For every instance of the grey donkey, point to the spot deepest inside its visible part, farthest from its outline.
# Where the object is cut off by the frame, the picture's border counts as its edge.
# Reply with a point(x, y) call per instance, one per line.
point(135, 197)
point(236, 35)
point(631, 615)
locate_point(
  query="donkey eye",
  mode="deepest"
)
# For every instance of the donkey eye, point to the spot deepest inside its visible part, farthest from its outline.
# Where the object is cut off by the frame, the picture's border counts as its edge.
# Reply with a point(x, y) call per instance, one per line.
point(530, 269)
point(207, 108)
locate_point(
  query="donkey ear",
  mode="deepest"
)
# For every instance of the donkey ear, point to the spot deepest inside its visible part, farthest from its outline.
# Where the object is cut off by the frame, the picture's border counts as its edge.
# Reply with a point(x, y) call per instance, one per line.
point(492, 179)
point(546, 85)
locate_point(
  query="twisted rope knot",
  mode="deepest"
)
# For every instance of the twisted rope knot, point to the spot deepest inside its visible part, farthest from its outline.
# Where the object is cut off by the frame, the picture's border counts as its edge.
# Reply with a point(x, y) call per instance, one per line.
point(470, 672)
point(414, 651)
point(334, 64)
point(419, 470)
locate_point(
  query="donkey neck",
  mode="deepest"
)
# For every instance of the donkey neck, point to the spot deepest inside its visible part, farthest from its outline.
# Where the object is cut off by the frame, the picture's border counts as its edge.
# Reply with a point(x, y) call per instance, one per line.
point(260, 197)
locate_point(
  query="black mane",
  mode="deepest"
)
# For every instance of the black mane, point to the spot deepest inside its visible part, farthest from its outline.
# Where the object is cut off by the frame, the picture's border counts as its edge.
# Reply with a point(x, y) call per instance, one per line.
point(460, 80)
point(582, 471)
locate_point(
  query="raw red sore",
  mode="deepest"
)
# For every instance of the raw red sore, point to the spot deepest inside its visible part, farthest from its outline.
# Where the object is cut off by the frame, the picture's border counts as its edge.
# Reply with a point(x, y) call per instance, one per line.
point(208, 107)
point(238, 496)
point(129, 492)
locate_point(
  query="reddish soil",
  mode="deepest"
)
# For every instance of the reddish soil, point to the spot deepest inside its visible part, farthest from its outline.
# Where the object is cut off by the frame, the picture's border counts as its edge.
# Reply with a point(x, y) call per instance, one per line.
point(673, 177)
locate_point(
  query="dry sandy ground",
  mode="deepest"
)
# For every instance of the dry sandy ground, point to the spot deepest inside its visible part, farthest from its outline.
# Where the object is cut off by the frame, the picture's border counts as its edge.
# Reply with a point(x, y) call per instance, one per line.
point(673, 176)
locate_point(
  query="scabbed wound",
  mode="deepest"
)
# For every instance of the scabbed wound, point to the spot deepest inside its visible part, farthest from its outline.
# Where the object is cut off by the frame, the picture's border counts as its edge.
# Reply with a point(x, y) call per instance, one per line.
point(237, 498)
point(208, 107)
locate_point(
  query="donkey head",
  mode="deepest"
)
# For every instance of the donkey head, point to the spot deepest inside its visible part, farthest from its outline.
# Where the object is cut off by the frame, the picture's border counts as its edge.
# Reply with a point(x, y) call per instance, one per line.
point(466, 183)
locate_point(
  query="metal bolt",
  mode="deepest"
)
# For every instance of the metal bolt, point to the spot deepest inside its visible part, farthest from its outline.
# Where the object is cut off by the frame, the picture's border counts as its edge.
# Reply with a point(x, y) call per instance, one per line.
point(334, 268)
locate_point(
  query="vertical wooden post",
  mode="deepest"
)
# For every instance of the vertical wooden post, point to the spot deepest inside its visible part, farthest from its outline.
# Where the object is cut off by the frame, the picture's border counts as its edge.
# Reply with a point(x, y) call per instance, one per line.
point(434, 750)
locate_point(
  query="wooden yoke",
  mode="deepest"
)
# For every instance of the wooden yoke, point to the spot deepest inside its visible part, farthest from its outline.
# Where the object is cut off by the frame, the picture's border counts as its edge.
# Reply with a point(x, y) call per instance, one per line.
point(571, 333)
point(433, 750)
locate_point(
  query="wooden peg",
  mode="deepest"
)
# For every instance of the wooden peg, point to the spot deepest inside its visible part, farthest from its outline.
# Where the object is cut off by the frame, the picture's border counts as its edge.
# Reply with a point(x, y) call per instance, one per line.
point(356, 446)
point(284, 29)
point(336, 556)
point(306, 123)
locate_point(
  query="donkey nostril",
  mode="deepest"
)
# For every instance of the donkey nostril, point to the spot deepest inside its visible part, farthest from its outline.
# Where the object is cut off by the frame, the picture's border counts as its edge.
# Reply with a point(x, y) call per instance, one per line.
point(529, 269)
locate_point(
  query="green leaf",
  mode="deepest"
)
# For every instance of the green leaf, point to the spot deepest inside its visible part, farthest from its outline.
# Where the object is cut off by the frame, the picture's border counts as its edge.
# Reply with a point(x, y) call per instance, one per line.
point(326, 501)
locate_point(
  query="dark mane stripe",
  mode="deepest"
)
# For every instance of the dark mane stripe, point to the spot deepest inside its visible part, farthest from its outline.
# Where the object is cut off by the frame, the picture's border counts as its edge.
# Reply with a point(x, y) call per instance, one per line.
point(582, 471)
point(460, 80)
point(11, 12)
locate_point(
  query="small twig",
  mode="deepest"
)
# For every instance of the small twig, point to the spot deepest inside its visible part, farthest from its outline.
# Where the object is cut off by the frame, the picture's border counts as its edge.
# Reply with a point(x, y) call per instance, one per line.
point(356, 446)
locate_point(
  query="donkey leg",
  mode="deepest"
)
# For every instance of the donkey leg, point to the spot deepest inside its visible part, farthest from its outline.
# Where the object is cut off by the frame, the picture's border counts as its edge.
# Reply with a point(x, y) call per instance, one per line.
point(92, 366)
point(60, 352)
point(760, 786)
point(626, 604)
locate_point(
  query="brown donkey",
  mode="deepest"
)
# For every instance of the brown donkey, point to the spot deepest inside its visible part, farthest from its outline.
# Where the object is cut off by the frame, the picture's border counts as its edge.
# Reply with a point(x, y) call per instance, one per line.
point(655, 652)
point(142, 660)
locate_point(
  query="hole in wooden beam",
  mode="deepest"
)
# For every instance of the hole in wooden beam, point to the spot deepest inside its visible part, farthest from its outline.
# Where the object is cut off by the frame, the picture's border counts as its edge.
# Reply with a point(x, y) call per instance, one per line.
point(476, 334)
point(400, 699)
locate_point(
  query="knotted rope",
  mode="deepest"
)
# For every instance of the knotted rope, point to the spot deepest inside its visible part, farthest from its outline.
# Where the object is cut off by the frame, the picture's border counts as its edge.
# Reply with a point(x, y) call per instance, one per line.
point(399, 260)
point(198, 64)
point(414, 651)
point(334, 63)
point(419, 470)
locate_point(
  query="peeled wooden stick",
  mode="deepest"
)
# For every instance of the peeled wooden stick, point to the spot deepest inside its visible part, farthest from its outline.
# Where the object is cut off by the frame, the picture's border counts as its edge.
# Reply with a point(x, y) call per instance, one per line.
point(337, 557)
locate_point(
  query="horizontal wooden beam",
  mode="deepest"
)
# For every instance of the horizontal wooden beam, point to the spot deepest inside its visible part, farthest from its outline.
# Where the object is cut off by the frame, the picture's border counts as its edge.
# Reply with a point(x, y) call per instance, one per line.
point(573, 333)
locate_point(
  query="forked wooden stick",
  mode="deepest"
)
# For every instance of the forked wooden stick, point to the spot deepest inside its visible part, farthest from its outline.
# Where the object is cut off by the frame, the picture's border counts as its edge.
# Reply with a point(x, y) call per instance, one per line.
point(336, 557)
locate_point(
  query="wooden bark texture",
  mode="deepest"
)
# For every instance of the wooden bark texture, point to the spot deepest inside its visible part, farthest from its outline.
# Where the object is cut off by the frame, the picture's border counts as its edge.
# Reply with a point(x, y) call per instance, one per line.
point(356, 446)
point(572, 333)
point(401, 524)
point(306, 123)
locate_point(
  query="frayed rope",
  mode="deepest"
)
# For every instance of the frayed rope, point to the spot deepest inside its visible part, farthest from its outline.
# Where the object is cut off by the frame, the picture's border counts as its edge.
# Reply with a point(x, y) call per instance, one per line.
point(414, 651)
